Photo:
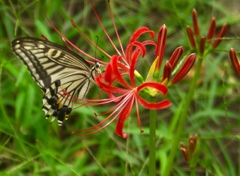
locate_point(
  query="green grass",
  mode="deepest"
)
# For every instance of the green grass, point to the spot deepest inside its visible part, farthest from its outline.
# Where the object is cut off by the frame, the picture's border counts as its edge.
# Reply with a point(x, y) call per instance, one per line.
point(30, 145)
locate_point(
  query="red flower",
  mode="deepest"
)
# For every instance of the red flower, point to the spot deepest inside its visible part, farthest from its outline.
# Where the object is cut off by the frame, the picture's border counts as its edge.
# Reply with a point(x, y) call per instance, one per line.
point(129, 95)
point(120, 73)
point(119, 82)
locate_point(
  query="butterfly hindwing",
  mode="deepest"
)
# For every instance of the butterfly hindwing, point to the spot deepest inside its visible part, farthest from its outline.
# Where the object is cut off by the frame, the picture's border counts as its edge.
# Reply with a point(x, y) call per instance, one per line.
point(59, 72)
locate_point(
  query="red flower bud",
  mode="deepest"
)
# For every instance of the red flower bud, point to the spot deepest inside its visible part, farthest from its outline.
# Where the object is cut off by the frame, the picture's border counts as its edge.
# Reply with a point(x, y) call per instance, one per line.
point(191, 37)
point(219, 36)
point(187, 65)
point(195, 23)
point(234, 61)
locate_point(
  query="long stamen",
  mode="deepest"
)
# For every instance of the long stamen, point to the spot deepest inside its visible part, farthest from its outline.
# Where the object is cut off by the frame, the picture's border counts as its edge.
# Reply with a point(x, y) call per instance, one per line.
point(115, 113)
point(69, 42)
point(104, 30)
point(115, 28)
point(89, 40)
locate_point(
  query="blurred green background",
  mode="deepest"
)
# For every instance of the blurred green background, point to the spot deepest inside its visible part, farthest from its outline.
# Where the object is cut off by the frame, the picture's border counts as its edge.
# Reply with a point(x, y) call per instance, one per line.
point(30, 145)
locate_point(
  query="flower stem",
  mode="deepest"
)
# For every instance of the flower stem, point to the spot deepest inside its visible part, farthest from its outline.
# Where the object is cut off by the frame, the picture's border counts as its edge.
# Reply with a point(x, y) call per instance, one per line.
point(152, 143)
point(182, 120)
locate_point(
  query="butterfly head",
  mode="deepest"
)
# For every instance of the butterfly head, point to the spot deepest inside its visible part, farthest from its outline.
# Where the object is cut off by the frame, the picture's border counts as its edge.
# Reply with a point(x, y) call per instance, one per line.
point(96, 69)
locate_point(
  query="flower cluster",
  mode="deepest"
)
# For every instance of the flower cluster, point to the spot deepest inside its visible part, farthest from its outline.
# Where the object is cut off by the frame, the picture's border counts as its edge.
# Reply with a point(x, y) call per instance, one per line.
point(119, 81)
point(211, 41)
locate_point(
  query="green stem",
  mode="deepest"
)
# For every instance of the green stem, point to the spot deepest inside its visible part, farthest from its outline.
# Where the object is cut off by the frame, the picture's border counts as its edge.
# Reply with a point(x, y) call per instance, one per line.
point(193, 171)
point(182, 120)
point(152, 143)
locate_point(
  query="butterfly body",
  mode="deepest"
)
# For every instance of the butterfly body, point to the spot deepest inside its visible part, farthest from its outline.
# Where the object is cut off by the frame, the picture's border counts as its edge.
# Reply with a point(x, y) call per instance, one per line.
point(56, 70)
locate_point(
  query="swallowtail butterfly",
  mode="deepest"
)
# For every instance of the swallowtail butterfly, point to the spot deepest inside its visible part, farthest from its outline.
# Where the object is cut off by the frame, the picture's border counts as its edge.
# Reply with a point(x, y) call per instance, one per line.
point(56, 69)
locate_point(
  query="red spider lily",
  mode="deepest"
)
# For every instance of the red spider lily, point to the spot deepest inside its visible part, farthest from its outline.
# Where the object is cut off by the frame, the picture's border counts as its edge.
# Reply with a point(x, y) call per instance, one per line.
point(120, 65)
point(118, 80)
point(130, 95)
point(126, 98)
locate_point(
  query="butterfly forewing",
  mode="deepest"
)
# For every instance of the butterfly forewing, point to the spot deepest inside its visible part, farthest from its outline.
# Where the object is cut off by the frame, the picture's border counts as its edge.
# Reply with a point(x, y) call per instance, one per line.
point(59, 72)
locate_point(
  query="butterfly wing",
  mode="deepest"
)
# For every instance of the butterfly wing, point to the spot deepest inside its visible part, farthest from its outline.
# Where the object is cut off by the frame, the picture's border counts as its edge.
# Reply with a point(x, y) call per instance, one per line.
point(59, 72)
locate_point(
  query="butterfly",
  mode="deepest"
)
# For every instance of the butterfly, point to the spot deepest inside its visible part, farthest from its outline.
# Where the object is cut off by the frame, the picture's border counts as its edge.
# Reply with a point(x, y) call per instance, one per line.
point(56, 70)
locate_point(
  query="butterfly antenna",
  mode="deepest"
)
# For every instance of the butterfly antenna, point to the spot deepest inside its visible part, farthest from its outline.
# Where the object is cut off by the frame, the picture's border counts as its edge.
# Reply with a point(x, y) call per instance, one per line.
point(96, 46)
point(95, 54)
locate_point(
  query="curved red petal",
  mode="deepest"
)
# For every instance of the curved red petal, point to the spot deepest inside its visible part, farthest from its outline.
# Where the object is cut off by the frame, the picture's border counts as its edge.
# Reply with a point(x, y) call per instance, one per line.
point(119, 130)
point(154, 106)
point(149, 42)
point(115, 68)
point(128, 53)
point(108, 88)
point(108, 76)
point(139, 32)
point(129, 50)
point(160, 87)
point(124, 114)
point(132, 67)
point(140, 49)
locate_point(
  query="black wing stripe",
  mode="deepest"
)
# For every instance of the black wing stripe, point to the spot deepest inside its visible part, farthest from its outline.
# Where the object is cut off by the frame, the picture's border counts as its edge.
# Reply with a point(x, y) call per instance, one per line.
point(55, 69)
